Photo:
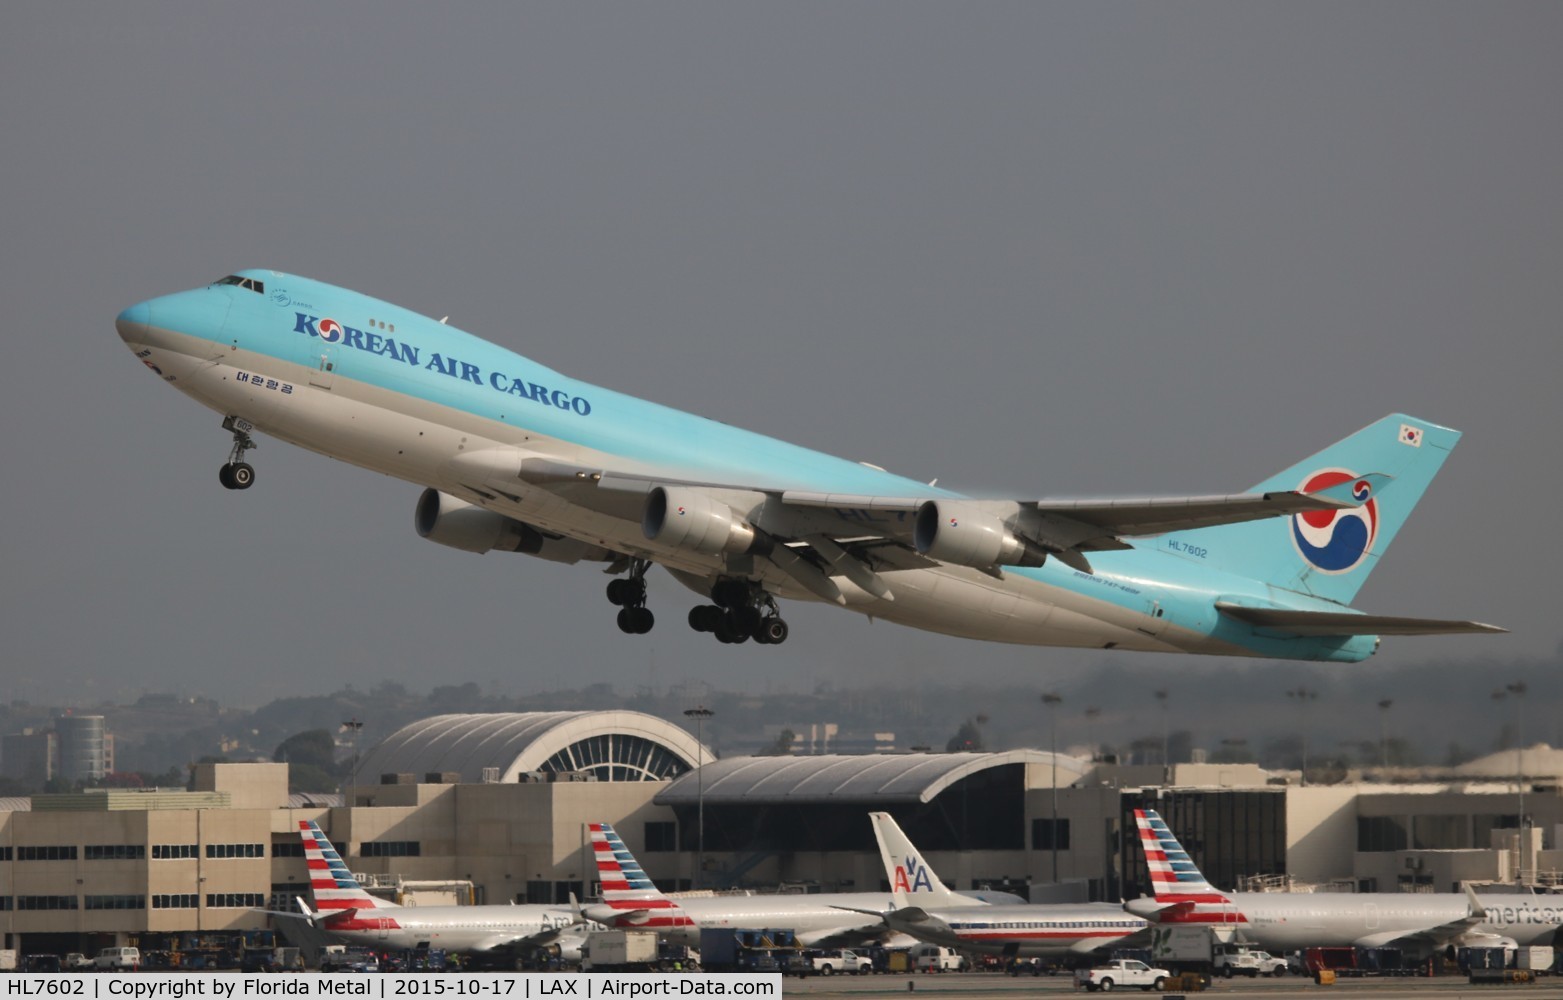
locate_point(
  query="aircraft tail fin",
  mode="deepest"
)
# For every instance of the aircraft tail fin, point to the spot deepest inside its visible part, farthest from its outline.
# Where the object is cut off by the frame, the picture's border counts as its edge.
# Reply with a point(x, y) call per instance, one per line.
point(1329, 554)
point(1174, 876)
point(331, 885)
point(912, 881)
point(626, 889)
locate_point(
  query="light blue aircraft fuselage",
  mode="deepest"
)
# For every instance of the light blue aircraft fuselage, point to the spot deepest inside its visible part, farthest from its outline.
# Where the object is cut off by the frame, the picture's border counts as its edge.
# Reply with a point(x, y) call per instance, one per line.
point(519, 457)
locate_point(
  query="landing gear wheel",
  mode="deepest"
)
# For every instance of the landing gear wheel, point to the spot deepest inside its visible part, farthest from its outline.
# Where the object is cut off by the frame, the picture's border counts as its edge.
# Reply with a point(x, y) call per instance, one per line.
point(740, 610)
point(726, 631)
point(643, 620)
point(636, 621)
point(238, 474)
point(630, 595)
point(704, 617)
point(773, 631)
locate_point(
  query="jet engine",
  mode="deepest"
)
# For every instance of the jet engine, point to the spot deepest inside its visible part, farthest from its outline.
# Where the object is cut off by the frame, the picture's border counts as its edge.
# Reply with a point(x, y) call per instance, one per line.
point(967, 535)
point(689, 519)
point(451, 521)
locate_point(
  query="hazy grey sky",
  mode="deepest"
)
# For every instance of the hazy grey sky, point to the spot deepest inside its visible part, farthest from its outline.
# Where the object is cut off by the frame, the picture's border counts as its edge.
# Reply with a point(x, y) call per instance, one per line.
point(1058, 249)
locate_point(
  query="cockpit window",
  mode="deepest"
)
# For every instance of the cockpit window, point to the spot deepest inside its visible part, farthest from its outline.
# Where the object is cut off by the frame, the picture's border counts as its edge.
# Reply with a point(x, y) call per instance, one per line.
point(251, 283)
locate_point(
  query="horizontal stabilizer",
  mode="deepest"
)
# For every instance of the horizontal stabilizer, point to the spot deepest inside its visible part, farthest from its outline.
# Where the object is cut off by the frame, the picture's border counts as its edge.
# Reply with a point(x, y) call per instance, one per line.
point(1326, 623)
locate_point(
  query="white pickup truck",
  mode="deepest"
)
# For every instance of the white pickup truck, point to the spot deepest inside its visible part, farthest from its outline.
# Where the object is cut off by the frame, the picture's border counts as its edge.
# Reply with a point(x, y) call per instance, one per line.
point(1243, 962)
point(1122, 972)
point(833, 960)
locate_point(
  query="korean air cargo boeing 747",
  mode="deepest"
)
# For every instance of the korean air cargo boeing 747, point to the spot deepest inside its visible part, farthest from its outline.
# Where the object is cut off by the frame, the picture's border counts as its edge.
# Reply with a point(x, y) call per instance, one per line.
point(515, 457)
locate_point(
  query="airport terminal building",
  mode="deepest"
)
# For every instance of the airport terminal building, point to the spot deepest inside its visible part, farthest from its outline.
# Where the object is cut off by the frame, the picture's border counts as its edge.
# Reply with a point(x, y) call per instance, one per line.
point(493, 808)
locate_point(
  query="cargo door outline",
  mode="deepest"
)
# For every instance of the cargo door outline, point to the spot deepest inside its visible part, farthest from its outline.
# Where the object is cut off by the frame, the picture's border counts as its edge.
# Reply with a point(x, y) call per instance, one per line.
point(322, 371)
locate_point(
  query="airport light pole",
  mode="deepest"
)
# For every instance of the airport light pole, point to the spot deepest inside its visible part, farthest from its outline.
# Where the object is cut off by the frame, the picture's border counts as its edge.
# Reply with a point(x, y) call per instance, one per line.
point(1166, 754)
point(1091, 715)
point(352, 727)
point(700, 714)
point(1383, 731)
point(1052, 699)
point(1518, 689)
point(1303, 696)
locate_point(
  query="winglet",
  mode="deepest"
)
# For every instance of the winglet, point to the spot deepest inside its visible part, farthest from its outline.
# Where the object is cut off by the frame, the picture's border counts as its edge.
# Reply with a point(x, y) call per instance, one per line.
point(1478, 911)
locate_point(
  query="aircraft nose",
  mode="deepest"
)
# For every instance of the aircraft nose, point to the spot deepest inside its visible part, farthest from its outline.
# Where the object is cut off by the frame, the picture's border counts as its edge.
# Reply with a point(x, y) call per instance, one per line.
point(133, 322)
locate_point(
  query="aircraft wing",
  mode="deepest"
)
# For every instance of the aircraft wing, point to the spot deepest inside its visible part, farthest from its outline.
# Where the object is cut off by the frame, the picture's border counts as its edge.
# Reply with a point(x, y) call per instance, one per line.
point(1436, 936)
point(843, 936)
point(1325, 623)
point(1061, 528)
point(540, 939)
point(913, 921)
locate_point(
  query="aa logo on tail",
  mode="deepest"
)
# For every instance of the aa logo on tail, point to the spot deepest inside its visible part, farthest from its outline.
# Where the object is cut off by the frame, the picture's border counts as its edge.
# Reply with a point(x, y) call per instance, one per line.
point(912, 876)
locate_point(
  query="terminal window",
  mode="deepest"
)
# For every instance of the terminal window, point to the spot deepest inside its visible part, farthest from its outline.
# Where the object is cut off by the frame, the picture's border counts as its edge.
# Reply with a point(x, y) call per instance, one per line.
point(46, 902)
point(174, 901)
point(125, 902)
point(661, 836)
point(115, 852)
point(236, 850)
point(235, 899)
point(46, 852)
point(390, 849)
point(173, 852)
point(1048, 834)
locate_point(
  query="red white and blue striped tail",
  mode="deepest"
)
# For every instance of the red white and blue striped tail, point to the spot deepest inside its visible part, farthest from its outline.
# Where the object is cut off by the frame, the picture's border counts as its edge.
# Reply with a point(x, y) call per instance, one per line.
point(331, 885)
point(1174, 876)
point(626, 888)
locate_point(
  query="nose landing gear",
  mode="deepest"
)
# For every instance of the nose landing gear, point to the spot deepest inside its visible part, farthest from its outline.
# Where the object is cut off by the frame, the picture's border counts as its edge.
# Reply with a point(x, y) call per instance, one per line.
point(630, 595)
point(238, 474)
point(742, 612)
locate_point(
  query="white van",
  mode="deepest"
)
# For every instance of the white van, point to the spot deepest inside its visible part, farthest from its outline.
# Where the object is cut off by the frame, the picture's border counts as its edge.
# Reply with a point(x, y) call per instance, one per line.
point(934, 958)
point(118, 958)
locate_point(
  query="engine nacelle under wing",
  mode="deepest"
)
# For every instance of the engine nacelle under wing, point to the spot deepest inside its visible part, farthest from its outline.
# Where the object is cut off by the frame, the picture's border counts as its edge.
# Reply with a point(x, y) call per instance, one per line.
point(451, 521)
point(967, 535)
point(690, 519)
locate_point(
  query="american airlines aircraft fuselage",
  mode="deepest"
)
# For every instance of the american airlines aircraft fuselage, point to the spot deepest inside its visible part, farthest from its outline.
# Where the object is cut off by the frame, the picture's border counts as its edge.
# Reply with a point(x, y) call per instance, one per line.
point(518, 457)
point(1279, 921)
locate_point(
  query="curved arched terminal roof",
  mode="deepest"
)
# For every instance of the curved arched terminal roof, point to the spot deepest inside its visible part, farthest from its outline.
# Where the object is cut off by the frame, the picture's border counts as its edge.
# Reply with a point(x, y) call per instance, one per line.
point(614, 745)
point(842, 778)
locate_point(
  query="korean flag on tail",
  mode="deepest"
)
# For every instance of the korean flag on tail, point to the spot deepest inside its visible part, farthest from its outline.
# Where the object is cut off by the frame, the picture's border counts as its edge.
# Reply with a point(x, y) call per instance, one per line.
point(1411, 435)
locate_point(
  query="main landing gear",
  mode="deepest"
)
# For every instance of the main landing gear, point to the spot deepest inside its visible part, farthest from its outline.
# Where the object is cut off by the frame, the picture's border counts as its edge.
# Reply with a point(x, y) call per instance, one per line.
point(630, 595)
point(742, 611)
point(238, 474)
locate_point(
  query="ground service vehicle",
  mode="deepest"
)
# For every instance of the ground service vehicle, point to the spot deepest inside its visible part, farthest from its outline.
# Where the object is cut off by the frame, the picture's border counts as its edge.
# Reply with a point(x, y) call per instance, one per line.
point(743, 950)
point(935, 958)
point(118, 958)
point(1121, 972)
point(76, 961)
point(619, 950)
point(829, 961)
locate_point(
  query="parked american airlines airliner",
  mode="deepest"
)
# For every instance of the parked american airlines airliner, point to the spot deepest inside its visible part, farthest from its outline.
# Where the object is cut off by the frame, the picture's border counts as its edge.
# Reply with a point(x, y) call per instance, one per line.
point(1420, 923)
point(344, 910)
point(1015, 930)
point(631, 900)
point(516, 457)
